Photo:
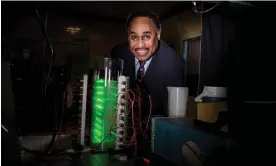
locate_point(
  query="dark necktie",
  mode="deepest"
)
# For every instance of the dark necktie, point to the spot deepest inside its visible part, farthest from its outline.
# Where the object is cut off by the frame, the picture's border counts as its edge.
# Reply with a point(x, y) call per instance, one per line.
point(141, 71)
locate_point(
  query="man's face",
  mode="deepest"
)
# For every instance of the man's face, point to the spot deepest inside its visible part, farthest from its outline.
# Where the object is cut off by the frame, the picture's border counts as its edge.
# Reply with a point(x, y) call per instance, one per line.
point(143, 38)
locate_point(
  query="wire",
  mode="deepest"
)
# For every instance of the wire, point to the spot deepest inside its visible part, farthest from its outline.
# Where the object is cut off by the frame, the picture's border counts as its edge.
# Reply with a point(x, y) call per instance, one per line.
point(131, 98)
point(50, 67)
point(59, 125)
point(132, 113)
point(149, 117)
point(44, 54)
point(201, 12)
point(133, 124)
point(62, 110)
point(48, 147)
point(50, 47)
point(109, 131)
point(56, 132)
point(67, 121)
point(140, 111)
point(107, 134)
point(198, 156)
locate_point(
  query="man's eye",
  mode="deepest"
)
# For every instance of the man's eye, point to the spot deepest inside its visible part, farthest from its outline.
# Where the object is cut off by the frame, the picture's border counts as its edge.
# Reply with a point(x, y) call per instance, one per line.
point(133, 37)
point(146, 37)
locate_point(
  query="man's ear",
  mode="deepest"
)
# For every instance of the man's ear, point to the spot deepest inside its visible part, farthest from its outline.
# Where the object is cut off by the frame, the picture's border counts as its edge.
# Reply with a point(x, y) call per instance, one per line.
point(159, 34)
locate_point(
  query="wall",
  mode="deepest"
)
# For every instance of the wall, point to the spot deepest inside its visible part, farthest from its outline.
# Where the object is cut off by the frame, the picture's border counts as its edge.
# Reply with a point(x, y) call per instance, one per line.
point(100, 39)
point(187, 25)
point(184, 26)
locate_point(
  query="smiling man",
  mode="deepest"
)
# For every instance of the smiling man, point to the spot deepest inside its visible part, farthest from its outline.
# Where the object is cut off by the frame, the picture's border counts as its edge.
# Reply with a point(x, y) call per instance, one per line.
point(150, 63)
point(144, 35)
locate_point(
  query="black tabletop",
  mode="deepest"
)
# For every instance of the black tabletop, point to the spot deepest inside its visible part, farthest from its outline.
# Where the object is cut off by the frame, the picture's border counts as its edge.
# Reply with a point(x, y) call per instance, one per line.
point(102, 160)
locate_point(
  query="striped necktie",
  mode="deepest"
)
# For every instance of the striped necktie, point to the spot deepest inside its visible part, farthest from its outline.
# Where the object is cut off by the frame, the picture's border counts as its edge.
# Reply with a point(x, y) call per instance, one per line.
point(141, 71)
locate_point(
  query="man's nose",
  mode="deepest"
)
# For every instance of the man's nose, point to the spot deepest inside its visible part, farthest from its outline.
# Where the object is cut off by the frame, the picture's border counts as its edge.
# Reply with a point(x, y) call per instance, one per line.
point(140, 43)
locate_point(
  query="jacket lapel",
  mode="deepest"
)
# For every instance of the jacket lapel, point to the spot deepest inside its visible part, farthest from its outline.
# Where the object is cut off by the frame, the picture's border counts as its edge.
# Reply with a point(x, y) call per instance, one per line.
point(153, 67)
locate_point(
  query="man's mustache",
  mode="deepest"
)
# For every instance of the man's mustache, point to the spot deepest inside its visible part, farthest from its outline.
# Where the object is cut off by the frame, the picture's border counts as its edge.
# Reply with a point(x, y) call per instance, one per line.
point(141, 49)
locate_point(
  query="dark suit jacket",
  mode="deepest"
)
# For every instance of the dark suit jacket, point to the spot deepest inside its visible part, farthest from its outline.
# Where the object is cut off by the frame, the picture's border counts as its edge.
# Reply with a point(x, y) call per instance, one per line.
point(166, 69)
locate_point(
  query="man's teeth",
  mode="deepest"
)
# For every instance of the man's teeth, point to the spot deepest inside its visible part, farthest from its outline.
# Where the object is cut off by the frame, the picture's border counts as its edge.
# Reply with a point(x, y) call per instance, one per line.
point(142, 52)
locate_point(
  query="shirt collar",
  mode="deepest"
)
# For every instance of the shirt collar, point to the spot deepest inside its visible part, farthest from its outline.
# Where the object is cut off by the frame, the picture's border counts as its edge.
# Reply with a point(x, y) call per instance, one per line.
point(137, 61)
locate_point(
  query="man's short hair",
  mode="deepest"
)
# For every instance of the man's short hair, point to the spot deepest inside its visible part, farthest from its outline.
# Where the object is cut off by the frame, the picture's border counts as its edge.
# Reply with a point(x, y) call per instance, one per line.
point(150, 15)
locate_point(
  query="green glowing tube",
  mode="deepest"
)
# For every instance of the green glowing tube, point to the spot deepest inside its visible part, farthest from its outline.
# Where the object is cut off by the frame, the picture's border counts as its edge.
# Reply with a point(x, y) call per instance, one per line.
point(103, 112)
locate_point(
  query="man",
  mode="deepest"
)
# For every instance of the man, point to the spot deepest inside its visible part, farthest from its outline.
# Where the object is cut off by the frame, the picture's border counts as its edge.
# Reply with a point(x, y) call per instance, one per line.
point(151, 65)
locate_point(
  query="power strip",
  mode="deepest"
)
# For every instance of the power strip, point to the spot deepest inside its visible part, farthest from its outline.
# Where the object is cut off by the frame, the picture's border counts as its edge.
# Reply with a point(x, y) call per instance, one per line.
point(121, 111)
point(123, 83)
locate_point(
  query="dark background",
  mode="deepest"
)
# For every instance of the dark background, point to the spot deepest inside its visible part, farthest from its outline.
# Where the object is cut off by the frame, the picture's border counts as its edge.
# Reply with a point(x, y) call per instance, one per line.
point(236, 50)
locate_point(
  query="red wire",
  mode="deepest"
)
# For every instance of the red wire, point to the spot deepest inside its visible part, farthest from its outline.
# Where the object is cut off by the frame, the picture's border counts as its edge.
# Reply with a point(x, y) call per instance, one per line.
point(133, 124)
point(131, 100)
point(132, 110)
point(140, 113)
point(128, 90)
point(149, 115)
point(109, 131)
point(146, 160)
point(113, 120)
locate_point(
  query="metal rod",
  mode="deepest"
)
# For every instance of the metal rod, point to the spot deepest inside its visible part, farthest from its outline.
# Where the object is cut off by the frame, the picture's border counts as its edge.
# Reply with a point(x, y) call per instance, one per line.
point(83, 111)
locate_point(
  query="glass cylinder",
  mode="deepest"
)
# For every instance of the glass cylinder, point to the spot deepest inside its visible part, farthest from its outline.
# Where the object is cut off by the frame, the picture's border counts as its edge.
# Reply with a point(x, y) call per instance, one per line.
point(104, 102)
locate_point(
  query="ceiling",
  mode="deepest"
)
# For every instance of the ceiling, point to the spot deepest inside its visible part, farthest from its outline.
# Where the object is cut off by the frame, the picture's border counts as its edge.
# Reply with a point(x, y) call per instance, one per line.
point(123, 9)
point(102, 11)
point(115, 12)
